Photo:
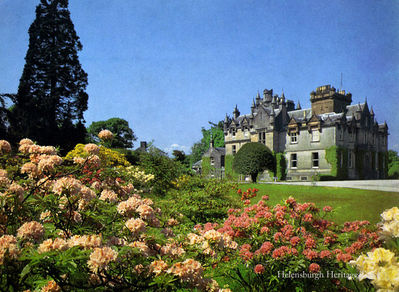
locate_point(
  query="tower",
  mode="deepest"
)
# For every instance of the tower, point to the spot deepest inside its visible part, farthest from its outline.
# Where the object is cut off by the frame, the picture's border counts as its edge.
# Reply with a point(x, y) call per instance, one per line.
point(326, 100)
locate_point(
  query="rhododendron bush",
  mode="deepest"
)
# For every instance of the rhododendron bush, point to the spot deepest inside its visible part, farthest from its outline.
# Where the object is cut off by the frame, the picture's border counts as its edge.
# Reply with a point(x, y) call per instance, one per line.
point(86, 222)
point(79, 223)
point(288, 247)
point(381, 266)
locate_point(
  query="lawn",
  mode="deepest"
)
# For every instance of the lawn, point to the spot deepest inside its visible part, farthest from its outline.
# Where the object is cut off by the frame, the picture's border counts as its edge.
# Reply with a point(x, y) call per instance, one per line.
point(348, 204)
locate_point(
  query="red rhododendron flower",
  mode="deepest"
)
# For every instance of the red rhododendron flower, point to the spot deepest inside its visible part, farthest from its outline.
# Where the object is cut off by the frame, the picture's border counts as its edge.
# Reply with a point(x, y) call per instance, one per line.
point(259, 269)
point(295, 240)
point(314, 268)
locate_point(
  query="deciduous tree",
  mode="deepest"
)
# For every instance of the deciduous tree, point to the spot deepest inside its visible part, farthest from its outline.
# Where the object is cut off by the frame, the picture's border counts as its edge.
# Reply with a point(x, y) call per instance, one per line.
point(123, 134)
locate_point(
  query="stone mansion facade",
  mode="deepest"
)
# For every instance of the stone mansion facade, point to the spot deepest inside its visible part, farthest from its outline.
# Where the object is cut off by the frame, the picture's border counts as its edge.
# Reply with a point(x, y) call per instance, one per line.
point(307, 136)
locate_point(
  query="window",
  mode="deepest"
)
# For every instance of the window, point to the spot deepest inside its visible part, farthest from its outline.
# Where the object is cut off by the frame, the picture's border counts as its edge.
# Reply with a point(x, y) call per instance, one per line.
point(341, 159)
point(262, 137)
point(212, 161)
point(234, 149)
point(294, 138)
point(315, 159)
point(315, 135)
point(340, 133)
point(246, 132)
point(234, 132)
point(350, 161)
point(294, 160)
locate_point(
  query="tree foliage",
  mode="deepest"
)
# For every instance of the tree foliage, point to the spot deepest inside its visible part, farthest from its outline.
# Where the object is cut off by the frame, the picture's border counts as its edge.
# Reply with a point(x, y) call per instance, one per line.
point(123, 134)
point(199, 148)
point(253, 158)
point(51, 95)
point(393, 164)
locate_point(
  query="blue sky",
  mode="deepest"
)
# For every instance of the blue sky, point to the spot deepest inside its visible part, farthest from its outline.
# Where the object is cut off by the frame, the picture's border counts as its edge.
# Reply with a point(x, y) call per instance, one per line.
point(169, 67)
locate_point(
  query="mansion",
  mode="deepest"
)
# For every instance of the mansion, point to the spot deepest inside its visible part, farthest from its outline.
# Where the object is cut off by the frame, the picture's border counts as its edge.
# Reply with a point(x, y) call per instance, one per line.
point(307, 136)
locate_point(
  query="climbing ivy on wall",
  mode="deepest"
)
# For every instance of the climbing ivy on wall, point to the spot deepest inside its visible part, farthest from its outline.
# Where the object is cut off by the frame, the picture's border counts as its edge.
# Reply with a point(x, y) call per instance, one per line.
point(206, 166)
point(228, 168)
point(280, 170)
point(337, 157)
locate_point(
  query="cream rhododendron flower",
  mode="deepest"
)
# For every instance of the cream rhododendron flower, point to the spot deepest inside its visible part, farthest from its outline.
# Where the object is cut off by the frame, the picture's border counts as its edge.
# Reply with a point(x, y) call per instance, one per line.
point(391, 214)
point(105, 135)
point(100, 258)
point(5, 147)
point(31, 230)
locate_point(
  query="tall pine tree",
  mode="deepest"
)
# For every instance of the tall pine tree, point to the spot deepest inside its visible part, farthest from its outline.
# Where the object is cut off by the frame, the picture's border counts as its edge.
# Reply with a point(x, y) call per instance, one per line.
point(51, 95)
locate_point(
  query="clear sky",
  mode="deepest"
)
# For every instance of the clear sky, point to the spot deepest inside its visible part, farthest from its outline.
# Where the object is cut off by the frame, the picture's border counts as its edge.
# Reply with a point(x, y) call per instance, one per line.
point(169, 67)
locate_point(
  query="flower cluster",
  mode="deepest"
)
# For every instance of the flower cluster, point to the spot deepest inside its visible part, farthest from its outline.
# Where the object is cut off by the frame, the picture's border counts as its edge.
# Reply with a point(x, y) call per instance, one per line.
point(5, 147)
point(390, 223)
point(101, 257)
point(381, 266)
point(8, 245)
point(105, 135)
point(31, 231)
point(246, 195)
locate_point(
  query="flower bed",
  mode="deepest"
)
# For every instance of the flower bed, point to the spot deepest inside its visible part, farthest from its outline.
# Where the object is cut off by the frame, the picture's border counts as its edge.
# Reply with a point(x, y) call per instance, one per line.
point(85, 223)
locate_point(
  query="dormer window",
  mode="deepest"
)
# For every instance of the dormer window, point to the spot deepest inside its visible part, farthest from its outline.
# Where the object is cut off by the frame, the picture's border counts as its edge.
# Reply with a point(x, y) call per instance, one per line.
point(315, 135)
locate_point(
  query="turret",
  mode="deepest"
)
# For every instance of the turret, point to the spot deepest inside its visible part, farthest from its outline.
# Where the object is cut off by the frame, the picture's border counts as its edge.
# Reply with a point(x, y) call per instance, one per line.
point(236, 112)
point(283, 98)
point(253, 106)
point(274, 100)
point(267, 95)
point(226, 123)
point(257, 99)
point(358, 113)
point(298, 106)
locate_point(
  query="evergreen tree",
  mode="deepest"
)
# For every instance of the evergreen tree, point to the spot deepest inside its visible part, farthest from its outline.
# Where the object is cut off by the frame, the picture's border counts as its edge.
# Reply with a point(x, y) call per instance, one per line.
point(51, 95)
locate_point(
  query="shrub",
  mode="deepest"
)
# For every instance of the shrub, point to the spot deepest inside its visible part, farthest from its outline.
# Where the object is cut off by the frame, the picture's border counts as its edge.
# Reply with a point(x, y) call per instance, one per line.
point(163, 168)
point(82, 226)
point(277, 244)
point(253, 158)
point(200, 200)
point(108, 156)
point(393, 171)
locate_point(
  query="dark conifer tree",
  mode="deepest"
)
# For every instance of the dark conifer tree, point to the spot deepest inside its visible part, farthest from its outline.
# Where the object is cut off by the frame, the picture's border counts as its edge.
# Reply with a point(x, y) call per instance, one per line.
point(51, 95)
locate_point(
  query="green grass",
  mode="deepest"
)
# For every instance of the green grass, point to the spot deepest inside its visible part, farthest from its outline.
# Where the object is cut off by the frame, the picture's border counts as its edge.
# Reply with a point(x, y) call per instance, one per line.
point(348, 204)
